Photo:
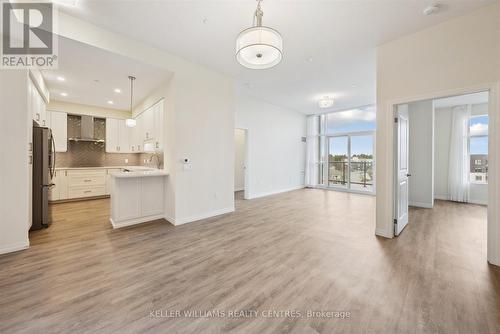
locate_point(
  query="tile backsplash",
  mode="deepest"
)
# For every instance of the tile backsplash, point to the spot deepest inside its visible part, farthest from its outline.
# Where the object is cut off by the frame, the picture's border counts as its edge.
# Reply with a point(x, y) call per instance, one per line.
point(93, 154)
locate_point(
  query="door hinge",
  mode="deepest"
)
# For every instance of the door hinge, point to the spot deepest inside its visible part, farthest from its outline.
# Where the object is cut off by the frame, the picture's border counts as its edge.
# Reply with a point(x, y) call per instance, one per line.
point(395, 119)
point(395, 221)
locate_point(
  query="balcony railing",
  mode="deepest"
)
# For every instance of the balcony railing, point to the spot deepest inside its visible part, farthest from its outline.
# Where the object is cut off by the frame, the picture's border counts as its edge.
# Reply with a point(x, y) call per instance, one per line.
point(361, 173)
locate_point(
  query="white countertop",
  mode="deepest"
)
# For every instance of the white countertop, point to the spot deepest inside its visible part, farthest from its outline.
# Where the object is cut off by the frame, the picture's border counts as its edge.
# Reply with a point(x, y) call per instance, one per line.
point(139, 173)
point(105, 167)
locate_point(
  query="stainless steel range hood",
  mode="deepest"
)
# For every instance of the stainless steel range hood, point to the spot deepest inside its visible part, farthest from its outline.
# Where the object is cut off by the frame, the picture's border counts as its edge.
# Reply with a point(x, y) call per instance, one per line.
point(87, 132)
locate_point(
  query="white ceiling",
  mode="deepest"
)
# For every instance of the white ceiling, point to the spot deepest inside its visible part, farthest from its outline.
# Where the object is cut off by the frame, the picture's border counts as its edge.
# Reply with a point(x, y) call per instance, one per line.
point(329, 46)
point(81, 65)
point(476, 98)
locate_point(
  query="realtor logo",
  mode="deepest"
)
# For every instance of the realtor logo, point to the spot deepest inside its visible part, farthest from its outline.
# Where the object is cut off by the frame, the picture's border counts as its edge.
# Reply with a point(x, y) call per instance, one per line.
point(28, 40)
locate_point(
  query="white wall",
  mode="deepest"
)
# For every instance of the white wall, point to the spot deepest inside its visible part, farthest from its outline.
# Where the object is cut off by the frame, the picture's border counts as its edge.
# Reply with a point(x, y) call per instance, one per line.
point(199, 124)
point(14, 168)
point(456, 57)
point(421, 116)
point(276, 153)
point(239, 159)
point(478, 192)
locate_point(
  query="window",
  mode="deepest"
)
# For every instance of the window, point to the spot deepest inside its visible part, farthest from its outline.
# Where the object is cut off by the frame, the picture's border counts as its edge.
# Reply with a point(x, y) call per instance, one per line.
point(354, 120)
point(478, 148)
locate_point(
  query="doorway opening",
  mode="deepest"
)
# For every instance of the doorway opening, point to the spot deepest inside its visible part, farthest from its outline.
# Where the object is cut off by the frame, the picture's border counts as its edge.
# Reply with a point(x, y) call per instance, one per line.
point(441, 163)
point(240, 163)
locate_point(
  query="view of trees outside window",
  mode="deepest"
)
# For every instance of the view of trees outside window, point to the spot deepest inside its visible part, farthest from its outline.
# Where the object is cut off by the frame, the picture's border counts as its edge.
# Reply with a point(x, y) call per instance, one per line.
point(478, 149)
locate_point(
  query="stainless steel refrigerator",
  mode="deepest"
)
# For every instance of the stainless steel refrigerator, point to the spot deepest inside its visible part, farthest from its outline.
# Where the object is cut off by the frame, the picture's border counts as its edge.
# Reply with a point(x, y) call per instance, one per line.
point(44, 161)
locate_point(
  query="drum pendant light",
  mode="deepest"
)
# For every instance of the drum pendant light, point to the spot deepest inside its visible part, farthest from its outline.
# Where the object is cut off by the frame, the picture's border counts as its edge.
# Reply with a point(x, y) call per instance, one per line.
point(259, 47)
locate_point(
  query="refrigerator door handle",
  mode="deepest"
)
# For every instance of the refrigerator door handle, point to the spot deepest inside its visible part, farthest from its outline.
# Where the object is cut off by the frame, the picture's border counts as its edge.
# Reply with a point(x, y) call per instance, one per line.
point(53, 169)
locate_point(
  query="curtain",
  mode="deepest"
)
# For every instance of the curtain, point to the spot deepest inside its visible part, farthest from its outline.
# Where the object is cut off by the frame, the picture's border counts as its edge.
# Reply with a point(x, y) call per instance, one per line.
point(459, 165)
point(312, 154)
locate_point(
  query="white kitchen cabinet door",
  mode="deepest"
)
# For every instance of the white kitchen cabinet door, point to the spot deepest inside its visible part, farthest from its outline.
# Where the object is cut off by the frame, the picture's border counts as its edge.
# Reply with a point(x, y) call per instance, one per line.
point(60, 190)
point(138, 134)
point(58, 122)
point(112, 136)
point(123, 137)
point(158, 126)
point(149, 123)
point(43, 110)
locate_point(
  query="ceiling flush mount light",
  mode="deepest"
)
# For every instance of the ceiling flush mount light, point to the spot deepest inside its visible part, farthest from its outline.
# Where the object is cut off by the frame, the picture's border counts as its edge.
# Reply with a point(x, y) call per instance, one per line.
point(117, 90)
point(64, 94)
point(325, 102)
point(259, 47)
point(429, 10)
point(62, 79)
point(130, 122)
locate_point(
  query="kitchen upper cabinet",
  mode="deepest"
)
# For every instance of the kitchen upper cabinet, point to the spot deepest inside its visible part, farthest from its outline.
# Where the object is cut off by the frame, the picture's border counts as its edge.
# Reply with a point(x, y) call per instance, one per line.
point(149, 123)
point(124, 134)
point(112, 145)
point(118, 136)
point(37, 105)
point(58, 123)
point(158, 125)
point(138, 134)
point(148, 132)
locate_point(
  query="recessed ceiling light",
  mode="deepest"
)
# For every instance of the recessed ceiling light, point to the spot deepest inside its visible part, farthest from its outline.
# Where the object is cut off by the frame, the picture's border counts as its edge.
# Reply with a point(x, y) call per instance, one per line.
point(110, 102)
point(429, 10)
point(61, 79)
point(117, 90)
point(325, 102)
point(64, 94)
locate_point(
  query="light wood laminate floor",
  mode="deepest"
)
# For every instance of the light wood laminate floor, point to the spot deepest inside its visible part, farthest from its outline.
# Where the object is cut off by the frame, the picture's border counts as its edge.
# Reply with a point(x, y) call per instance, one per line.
point(303, 250)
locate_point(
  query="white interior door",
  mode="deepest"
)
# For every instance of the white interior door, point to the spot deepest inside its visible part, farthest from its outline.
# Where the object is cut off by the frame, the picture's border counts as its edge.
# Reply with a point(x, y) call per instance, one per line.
point(402, 169)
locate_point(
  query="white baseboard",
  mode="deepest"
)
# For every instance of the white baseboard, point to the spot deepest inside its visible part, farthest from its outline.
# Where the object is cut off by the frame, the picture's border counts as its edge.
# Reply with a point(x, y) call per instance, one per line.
point(135, 221)
point(422, 205)
point(471, 201)
point(384, 233)
point(17, 246)
point(193, 218)
point(477, 201)
point(252, 196)
point(441, 197)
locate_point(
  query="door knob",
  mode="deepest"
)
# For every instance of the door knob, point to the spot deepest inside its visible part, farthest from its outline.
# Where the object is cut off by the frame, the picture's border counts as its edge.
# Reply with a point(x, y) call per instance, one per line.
point(408, 174)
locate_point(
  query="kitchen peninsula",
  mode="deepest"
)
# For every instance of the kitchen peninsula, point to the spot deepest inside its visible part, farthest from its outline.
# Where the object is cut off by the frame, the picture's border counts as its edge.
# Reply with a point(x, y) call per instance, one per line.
point(137, 196)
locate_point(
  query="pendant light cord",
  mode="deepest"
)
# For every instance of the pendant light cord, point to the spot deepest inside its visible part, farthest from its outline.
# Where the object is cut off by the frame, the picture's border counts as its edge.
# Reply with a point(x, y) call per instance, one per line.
point(257, 16)
point(131, 91)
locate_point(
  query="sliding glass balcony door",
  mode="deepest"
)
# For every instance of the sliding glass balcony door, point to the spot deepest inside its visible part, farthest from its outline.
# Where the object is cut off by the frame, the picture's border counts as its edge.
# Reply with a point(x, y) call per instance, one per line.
point(350, 161)
point(338, 161)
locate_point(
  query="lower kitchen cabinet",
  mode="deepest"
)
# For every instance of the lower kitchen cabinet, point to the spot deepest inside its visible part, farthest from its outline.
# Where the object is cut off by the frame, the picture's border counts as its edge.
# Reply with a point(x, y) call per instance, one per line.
point(60, 189)
point(81, 183)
